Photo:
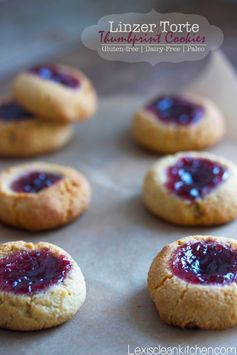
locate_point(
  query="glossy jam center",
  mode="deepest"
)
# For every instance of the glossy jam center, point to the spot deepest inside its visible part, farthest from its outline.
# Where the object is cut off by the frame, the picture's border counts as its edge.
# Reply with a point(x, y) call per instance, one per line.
point(31, 271)
point(35, 181)
point(53, 73)
point(193, 178)
point(176, 110)
point(11, 111)
point(205, 262)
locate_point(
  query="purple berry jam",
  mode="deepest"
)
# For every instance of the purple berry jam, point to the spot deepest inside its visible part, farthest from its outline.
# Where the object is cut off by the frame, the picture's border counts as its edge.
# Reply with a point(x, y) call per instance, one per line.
point(176, 110)
point(53, 73)
point(35, 181)
point(193, 178)
point(11, 111)
point(31, 271)
point(205, 262)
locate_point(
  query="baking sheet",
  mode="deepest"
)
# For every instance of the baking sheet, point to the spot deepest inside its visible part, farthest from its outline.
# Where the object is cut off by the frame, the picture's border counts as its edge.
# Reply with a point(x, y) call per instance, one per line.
point(116, 240)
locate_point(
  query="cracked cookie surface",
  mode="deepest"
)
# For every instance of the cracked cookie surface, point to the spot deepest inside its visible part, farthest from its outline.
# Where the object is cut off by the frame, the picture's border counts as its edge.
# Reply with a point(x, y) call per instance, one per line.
point(192, 188)
point(40, 196)
point(174, 123)
point(207, 304)
point(40, 307)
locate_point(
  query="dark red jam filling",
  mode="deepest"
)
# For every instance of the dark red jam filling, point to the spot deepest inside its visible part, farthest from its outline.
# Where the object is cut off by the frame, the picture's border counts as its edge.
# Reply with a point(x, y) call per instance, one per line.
point(11, 111)
point(31, 271)
point(35, 181)
point(53, 73)
point(175, 109)
point(205, 262)
point(194, 178)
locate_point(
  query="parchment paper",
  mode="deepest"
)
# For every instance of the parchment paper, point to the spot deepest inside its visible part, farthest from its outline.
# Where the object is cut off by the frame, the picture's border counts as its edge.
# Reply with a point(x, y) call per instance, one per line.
point(116, 240)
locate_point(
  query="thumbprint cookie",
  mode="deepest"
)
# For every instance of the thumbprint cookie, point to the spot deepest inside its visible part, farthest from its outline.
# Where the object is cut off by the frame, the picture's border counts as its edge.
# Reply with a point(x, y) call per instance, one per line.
point(40, 196)
point(193, 283)
point(192, 189)
point(41, 286)
point(22, 134)
point(173, 123)
point(56, 92)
